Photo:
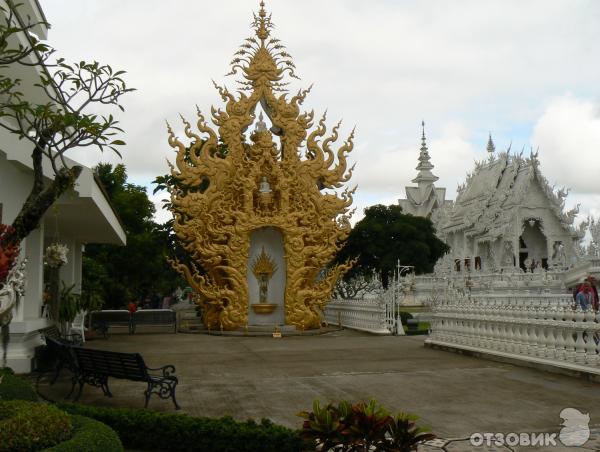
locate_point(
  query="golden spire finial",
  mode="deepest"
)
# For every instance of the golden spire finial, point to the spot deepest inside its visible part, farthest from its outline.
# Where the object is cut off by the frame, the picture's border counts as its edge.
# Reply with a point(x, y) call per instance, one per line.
point(262, 58)
point(262, 23)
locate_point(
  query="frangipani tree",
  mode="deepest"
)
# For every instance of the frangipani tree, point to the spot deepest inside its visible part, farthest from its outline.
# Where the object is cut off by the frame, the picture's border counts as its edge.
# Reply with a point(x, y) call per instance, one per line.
point(68, 117)
point(56, 112)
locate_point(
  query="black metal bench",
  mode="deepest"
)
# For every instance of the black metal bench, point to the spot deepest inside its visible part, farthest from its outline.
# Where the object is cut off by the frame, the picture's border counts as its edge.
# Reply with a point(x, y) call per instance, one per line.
point(155, 317)
point(63, 358)
point(52, 331)
point(49, 355)
point(94, 367)
point(101, 321)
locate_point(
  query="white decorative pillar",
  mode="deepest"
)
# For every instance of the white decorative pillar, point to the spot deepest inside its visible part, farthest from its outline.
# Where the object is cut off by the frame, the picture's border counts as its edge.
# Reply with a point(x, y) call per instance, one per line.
point(550, 250)
point(24, 337)
point(31, 306)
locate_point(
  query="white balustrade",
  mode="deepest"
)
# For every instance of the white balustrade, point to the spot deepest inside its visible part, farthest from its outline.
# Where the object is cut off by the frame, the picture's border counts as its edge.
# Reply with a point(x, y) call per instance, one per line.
point(432, 287)
point(538, 327)
point(359, 314)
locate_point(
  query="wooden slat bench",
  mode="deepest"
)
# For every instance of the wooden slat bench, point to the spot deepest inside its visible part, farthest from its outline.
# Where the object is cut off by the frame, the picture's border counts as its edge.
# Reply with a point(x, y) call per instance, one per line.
point(155, 317)
point(94, 367)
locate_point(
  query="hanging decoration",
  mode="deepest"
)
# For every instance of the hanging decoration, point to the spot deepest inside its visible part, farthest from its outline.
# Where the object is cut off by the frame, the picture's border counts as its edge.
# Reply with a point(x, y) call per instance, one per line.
point(56, 255)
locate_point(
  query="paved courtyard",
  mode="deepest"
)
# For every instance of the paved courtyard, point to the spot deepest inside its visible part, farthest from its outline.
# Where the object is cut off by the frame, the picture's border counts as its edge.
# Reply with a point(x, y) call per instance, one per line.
point(254, 377)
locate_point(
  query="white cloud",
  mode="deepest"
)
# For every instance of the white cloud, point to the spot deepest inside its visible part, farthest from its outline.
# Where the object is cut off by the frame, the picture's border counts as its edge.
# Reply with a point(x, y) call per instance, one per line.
point(568, 135)
point(465, 67)
point(161, 215)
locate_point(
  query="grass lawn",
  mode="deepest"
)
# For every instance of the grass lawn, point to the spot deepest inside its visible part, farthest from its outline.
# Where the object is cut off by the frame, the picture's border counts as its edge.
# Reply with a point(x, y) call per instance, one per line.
point(422, 328)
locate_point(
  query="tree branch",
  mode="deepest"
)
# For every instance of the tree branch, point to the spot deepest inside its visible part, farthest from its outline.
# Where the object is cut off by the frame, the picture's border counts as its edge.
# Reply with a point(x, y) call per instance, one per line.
point(36, 205)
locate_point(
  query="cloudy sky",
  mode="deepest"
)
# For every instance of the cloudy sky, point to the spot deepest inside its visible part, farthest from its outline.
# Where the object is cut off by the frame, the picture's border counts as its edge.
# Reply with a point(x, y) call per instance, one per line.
point(526, 71)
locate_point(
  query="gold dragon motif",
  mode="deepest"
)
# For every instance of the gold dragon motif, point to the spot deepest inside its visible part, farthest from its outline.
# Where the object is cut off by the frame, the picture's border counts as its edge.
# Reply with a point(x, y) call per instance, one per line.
point(223, 203)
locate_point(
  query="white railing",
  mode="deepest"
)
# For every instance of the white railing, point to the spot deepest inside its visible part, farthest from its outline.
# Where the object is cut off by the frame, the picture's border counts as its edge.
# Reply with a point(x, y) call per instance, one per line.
point(540, 328)
point(430, 288)
point(358, 314)
point(391, 299)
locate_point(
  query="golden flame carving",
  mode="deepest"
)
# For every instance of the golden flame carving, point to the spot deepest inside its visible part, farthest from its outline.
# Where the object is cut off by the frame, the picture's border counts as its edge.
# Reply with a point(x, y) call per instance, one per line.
point(214, 223)
point(263, 265)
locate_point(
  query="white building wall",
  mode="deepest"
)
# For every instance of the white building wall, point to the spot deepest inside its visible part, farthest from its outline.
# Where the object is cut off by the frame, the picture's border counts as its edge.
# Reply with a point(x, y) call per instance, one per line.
point(15, 183)
point(16, 179)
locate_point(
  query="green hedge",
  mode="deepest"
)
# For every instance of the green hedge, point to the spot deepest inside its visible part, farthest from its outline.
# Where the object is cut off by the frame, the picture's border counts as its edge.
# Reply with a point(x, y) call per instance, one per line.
point(13, 387)
point(31, 426)
point(89, 435)
point(149, 430)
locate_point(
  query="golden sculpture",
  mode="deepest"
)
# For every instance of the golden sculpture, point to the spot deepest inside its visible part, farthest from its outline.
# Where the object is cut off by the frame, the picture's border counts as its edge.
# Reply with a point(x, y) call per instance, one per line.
point(234, 187)
point(263, 269)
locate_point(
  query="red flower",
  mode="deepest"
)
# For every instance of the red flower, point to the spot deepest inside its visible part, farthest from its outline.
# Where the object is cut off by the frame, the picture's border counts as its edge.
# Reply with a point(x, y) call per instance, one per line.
point(8, 255)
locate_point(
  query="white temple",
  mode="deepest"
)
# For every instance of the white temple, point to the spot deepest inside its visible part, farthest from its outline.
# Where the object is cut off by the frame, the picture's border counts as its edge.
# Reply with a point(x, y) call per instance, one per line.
point(506, 215)
point(505, 289)
point(506, 219)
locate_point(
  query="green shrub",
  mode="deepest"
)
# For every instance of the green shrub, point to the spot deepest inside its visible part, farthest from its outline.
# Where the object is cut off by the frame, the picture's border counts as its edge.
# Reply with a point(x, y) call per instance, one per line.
point(404, 316)
point(13, 387)
point(31, 426)
point(362, 426)
point(89, 435)
point(149, 430)
point(422, 328)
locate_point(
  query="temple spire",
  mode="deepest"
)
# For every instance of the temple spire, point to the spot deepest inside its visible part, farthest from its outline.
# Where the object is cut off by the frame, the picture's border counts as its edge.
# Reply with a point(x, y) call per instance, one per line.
point(424, 175)
point(262, 23)
point(491, 148)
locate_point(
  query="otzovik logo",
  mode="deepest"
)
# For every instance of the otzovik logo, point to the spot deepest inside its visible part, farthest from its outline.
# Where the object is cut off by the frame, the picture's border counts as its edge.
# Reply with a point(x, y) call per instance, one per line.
point(575, 433)
point(576, 430)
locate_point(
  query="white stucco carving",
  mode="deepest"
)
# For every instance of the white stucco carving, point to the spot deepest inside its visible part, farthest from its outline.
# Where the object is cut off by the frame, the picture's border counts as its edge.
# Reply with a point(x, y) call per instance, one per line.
point(11, 290)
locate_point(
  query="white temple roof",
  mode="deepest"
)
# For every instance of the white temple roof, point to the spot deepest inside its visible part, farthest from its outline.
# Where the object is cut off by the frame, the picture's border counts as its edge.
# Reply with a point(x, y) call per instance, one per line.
point(488, 200)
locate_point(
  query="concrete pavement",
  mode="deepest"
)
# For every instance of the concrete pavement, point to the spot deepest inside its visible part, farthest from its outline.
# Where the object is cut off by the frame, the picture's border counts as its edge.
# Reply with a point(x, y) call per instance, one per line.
point(255, 377)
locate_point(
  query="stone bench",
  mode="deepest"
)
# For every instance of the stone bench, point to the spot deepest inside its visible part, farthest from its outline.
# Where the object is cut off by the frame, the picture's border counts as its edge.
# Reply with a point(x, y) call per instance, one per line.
point(155, 317)
point(102, 321)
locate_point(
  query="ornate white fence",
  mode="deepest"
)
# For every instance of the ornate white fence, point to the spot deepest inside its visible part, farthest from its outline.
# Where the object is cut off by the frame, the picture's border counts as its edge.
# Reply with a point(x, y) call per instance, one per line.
point(358, 314)
point(543, 328)
point(391, 299)
point(430, 288)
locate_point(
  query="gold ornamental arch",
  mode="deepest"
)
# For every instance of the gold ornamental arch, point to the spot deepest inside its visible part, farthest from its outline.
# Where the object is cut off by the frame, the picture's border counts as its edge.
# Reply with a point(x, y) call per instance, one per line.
point(283, 177)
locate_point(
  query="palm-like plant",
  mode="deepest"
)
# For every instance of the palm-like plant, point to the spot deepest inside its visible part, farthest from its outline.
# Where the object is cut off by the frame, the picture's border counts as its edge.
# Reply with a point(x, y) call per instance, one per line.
point(361, 427)
point(404, 435)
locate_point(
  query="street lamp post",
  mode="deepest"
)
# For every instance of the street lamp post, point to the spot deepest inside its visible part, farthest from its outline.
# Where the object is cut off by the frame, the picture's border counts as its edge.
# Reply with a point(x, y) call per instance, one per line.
point(400, 270)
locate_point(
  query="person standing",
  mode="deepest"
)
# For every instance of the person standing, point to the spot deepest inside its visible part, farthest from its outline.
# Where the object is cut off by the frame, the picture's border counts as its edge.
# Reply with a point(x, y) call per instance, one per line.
point(585, 297)
point(592, 281)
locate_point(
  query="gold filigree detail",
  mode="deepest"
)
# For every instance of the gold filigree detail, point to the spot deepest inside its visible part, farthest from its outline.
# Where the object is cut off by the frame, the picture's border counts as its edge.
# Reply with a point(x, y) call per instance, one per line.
point(227, 197)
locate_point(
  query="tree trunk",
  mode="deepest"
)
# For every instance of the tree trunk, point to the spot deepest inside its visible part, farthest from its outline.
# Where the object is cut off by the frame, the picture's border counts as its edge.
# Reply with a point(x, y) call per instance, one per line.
point(41, 197)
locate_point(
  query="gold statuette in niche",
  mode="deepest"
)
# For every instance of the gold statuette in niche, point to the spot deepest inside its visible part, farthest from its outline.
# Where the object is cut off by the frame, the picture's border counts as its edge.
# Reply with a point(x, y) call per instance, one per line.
point(232, 181)
point(263, 269)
